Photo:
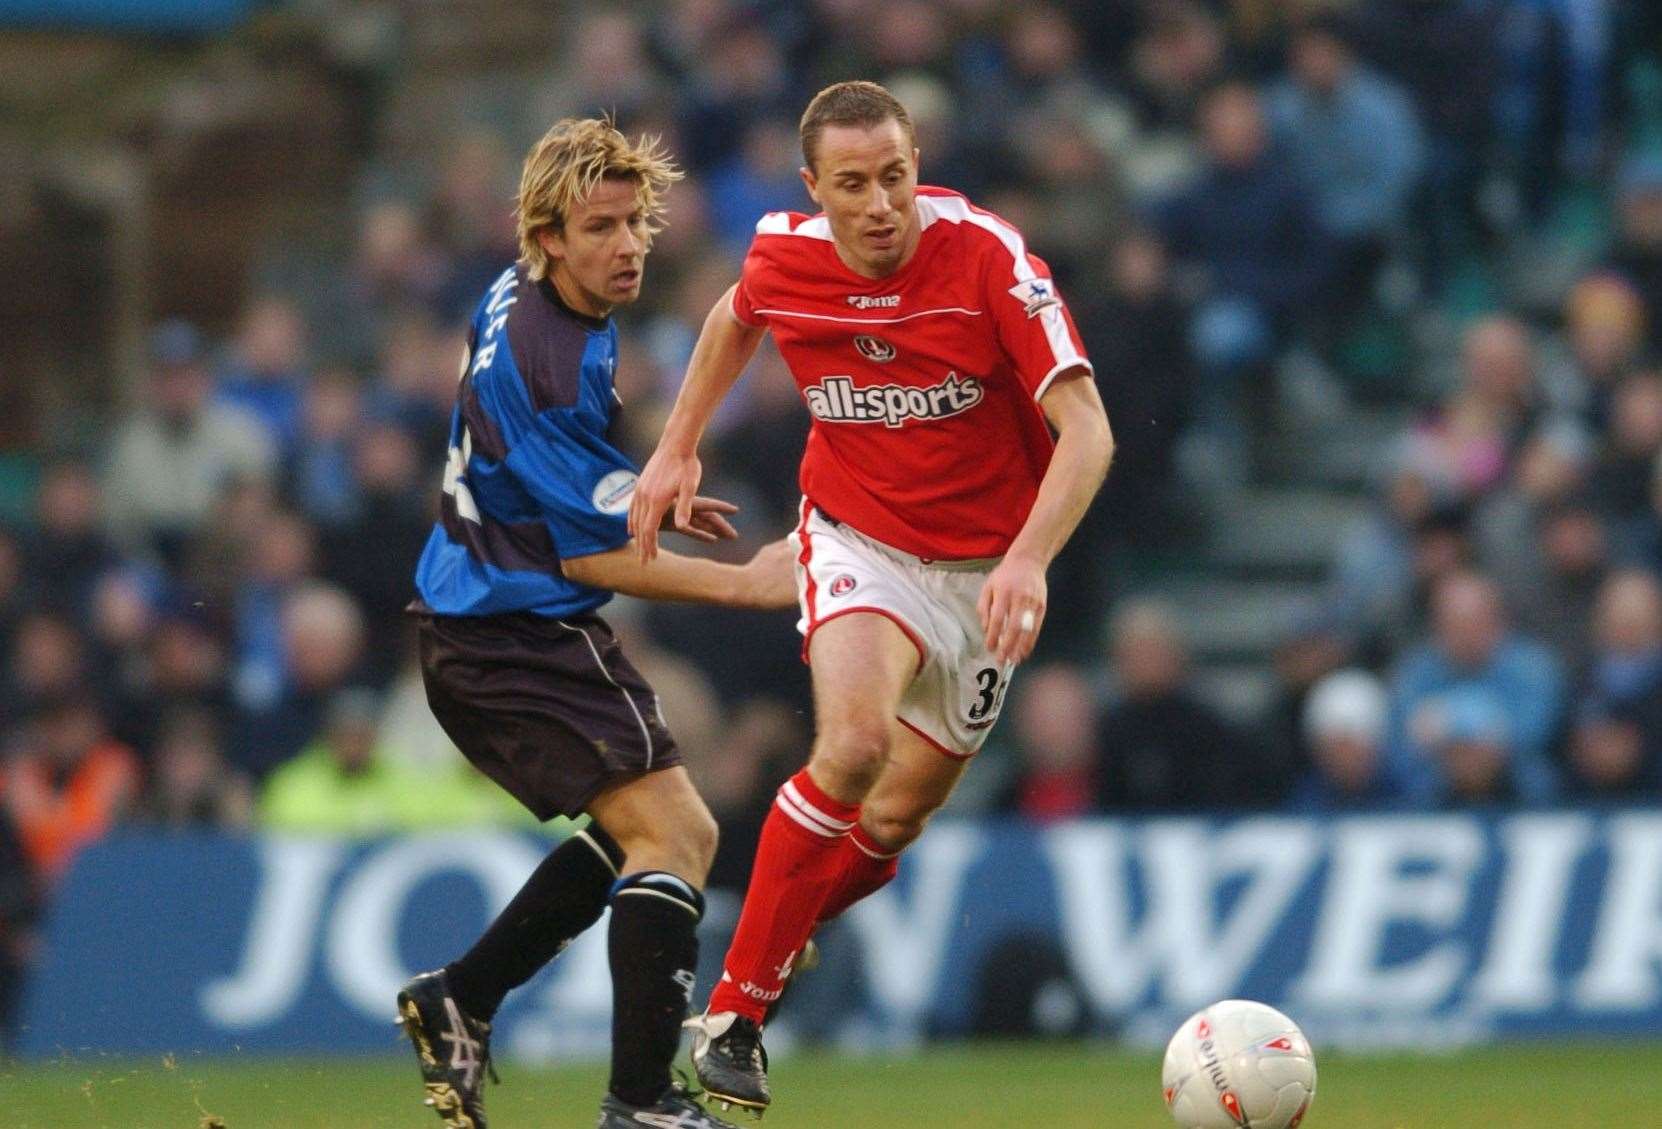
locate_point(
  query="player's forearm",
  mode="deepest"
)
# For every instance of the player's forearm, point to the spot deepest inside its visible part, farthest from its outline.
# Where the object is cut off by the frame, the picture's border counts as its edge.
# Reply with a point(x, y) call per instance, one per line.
point(1084, 448)
point(671, 576)
point(724, 348)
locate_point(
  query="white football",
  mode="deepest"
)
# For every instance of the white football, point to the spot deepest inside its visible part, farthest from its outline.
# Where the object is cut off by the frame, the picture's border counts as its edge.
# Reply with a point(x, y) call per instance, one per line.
point(1239, 1065)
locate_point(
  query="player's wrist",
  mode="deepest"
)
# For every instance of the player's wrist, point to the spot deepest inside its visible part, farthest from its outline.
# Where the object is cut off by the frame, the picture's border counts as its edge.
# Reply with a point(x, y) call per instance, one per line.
point(1023, 557)
point(680, 438)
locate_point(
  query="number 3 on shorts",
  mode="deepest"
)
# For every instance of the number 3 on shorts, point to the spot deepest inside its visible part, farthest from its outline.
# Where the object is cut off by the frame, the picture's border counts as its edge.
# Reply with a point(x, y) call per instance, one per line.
point(985, 697)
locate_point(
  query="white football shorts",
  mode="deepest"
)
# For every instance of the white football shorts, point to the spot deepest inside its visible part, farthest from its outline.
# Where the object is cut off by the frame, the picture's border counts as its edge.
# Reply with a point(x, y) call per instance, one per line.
point(959, 689)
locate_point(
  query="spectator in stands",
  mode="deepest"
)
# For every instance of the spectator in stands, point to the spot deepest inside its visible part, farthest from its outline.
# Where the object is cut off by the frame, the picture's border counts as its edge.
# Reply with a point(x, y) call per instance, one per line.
point(1388, 560)
point(1616, 746)
point(1469, 738)
point(370, 557)
point(1063, 131)
point(279, 558)
point(409, 732)
point(949, 149)
point(1344, 726)
point(1465, 448)
point(607, 66)
point(319, 477)
point(1604, 327)
point(68, 551)
point(760, 177)
point(1318, 642)
point(1163, 748)
point(121, 620)
point(347, 782)
point(68, 782)
point(190, 784)
point(48, 659)
point(763, 743)
point(322, 639)
point(1638, 253)
point(1544, 543)
point(265, 372)
point(767, 434)
point(475, 230)
point(1353, 136)
point(171, 459)
point(1448, 692)
point(1621, 478)
point(740, 77)
point(1445, 54)
point(185, 668)
point(396, 269)
point(1180, 52)
point(1249, 233)
point(416, 383)
point(1134, 331)
point(1575, 548)
point(339, 784)
point(1056, 742)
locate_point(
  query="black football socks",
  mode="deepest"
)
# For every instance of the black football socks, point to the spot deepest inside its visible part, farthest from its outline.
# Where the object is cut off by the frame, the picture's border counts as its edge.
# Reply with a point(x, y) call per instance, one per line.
point(654, 951)
point(564, 896)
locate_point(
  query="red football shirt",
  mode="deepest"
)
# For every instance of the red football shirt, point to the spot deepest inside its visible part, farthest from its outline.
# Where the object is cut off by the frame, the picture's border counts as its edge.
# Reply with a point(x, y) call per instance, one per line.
point(924, 385)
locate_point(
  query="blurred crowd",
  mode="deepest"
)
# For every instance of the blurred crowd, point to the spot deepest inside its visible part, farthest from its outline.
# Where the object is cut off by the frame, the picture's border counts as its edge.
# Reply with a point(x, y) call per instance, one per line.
point(202, 620)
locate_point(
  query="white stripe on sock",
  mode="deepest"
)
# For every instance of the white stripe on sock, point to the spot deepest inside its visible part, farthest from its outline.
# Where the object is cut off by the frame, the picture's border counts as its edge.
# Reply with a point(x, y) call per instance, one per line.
point(790, 789)
point(604, 857)
point(658, 894)
point(868, 852)
point(817, 828)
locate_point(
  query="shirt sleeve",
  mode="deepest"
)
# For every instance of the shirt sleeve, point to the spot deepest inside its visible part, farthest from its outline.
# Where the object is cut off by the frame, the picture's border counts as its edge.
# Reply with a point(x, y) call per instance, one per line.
point(744, 294)
point(1033, 325)
point(580, 483)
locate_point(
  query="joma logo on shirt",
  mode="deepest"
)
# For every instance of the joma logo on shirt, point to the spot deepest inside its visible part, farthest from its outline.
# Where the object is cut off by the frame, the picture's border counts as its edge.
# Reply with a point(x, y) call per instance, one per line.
point(836, 399)
point(866, 302)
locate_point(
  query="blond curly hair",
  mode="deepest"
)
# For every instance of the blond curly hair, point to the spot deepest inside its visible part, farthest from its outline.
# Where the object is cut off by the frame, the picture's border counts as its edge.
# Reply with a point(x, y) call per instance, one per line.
point(566, 165)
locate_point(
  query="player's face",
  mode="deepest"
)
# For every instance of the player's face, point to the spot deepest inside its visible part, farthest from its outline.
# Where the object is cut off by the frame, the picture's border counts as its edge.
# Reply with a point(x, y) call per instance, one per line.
point(600, 254)
point(865, 179)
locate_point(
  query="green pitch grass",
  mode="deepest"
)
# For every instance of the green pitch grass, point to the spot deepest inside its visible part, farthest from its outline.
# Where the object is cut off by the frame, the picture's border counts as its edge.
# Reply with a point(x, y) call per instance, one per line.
point(1575, 1086)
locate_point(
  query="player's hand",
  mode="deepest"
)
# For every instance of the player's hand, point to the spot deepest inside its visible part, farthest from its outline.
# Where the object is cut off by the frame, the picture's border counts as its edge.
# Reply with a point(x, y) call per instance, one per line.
point(1012, 607)
point(669, 480)
point(709, 520)
point(769, 578)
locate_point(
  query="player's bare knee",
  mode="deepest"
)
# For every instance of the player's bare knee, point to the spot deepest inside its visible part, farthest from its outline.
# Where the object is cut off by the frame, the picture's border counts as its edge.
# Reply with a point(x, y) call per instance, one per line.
point(848, 757)
point(689, 837)
point(702, 836)
point(893, 830)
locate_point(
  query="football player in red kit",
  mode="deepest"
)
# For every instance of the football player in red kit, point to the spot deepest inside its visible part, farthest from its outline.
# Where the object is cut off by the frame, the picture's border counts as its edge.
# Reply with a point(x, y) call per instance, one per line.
point(937, 359)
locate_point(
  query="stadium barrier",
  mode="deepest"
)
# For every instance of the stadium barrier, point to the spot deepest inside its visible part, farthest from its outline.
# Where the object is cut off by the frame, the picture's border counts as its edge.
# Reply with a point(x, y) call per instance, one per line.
point(1402, 930)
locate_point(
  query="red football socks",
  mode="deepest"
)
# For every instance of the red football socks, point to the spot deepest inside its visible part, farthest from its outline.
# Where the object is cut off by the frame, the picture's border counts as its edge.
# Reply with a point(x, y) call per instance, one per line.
point(800, 861)
point(867, 868)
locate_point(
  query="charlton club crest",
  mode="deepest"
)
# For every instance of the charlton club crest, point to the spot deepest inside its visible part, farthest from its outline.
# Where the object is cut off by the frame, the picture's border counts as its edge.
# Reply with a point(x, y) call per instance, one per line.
point(874, 348)
point(843, 585)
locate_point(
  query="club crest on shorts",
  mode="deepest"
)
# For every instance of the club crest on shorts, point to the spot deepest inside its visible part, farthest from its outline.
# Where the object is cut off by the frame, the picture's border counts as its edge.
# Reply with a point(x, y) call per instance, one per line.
point(843, 585)
point(874, 348)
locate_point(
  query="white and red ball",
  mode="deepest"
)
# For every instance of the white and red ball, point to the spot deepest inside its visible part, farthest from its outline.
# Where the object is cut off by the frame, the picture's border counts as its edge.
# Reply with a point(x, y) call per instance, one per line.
point(1238, 1065)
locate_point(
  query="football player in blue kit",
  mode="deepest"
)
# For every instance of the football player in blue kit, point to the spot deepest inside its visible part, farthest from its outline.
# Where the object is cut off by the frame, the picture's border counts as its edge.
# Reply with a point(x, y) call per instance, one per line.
point(523, 675)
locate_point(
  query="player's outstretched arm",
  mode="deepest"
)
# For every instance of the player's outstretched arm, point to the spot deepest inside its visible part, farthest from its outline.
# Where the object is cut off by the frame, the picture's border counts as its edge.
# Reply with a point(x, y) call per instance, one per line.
point(1013, 600)
point(672, 474)
point(765, 581)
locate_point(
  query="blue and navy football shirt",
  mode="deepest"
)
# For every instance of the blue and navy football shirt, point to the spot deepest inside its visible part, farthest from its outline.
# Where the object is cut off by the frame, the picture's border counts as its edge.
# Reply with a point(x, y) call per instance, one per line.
point(531, 476)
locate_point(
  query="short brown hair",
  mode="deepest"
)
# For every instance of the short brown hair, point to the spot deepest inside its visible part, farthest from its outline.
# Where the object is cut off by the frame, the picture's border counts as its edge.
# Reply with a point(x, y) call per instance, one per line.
point(850, 103)
point(564, 167)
